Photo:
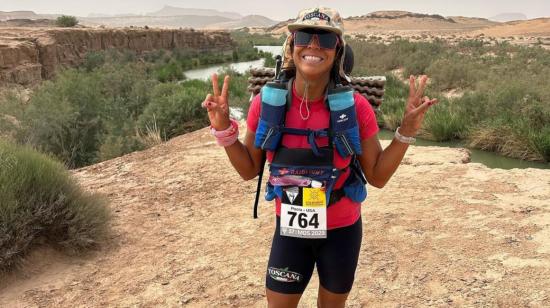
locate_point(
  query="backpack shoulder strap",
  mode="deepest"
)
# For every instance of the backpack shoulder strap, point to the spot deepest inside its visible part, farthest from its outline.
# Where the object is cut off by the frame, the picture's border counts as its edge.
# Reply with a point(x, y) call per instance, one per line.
point(288, 87)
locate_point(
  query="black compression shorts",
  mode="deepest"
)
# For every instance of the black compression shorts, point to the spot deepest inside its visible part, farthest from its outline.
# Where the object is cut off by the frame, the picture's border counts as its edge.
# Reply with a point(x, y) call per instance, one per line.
point(292, 260)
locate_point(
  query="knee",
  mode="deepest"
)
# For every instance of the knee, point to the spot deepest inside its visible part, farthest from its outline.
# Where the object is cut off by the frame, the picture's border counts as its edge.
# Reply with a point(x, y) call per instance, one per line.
point(327, 299)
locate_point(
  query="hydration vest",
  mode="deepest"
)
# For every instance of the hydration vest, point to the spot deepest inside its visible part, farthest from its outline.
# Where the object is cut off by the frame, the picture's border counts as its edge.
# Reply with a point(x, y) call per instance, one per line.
point(314, 166)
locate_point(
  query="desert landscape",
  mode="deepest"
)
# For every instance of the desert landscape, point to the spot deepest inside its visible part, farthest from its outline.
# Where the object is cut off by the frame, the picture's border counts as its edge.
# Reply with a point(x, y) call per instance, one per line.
point(463, 235)
point(444, 232)
point(25, 55)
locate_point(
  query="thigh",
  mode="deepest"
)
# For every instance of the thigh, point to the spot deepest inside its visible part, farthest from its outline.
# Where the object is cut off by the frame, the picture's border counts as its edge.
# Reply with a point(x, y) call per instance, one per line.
point(290, 265)
point(337, 258)
point(281, 300)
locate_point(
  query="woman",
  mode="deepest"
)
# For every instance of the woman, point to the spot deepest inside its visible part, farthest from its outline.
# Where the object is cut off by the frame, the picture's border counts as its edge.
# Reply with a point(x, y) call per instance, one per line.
point(313, 227)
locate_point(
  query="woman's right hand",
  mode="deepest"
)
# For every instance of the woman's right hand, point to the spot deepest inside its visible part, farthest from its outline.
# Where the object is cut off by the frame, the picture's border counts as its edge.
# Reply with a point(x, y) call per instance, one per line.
point(217, 104)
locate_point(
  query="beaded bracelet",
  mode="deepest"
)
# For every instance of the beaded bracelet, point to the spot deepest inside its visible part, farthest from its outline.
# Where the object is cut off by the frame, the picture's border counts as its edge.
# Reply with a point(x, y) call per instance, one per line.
point(226, 137)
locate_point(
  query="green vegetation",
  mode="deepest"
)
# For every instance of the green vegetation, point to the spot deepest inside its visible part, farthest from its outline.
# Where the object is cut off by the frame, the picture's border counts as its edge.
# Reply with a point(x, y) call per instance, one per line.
point(492, 96)
point(110, 106)
point(502, 102)
point(41, 204)
point(243, 37)
point(66, 21)
point(247, 41)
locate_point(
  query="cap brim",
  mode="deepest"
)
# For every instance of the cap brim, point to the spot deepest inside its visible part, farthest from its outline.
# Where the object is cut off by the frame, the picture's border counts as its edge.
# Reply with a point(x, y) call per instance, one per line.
point(294, 27)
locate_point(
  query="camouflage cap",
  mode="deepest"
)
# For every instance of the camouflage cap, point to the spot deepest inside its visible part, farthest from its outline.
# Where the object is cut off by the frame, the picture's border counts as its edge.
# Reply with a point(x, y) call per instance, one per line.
point(319, 18)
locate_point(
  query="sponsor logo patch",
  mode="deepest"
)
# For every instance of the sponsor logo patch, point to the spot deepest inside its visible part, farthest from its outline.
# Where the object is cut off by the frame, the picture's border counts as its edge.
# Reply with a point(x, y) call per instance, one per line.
point(284, 275)
point(343, 118)
point(316, 15)
point(292, 193)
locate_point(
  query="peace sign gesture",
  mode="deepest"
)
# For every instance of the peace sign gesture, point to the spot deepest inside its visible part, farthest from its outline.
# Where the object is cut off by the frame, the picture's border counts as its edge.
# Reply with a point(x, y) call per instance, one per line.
point(217, 105)
point(416, 107)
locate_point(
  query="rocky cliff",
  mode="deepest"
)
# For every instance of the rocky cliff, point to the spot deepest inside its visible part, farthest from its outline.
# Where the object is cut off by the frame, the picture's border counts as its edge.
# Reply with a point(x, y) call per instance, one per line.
point(30, 55)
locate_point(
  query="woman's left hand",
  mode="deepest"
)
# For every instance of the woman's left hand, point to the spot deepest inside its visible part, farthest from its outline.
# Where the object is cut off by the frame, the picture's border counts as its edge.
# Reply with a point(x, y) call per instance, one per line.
point(417, 105)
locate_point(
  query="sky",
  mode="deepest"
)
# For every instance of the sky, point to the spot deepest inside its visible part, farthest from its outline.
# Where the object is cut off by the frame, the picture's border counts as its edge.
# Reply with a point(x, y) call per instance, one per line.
point(285, 9)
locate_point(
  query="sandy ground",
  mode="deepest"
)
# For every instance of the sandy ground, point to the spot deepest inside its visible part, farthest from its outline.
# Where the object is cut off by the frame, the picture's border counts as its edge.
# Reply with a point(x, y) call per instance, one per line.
point(442, 233)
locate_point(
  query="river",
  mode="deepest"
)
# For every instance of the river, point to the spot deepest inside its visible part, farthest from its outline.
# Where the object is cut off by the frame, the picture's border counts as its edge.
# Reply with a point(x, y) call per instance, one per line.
point(489, 159)
point(241, 67)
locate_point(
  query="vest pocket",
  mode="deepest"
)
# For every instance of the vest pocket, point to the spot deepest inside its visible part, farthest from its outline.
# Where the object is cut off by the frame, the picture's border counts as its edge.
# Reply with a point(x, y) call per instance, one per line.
point(347, 142)
point(356, 191)
point(267, 136)
point(273, 191)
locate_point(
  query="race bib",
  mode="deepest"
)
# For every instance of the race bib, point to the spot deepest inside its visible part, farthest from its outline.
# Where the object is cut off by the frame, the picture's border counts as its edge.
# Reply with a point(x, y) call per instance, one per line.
point(304, 212)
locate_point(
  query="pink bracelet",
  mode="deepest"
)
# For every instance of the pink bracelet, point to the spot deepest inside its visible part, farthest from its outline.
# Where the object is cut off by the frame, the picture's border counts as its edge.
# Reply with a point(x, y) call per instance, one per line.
point(226, 137)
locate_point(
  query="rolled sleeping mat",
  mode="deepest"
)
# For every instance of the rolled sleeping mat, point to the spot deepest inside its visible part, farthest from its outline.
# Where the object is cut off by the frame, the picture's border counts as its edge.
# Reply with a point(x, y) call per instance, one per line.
point(262, 72)
point(373, 100)
point(254, 89)
point(373, 81)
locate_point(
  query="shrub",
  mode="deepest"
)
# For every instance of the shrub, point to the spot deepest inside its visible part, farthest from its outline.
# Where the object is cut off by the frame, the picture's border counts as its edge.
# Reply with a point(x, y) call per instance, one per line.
point(66, 21)
point(93, 60)
point(540, 141)
point(176, 108)
point(453, 73)
point(64, 118)
point(41, 202)
point(73, 116)
point(417, 63)
point(170, 71)
point(393, 107)
point(269, 59)
point(444, 123)
point(504, 139)
point(11, 111)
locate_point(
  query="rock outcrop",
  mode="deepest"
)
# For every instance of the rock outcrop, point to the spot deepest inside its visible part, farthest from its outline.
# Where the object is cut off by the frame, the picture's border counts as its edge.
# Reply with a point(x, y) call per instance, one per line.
point(30, 55)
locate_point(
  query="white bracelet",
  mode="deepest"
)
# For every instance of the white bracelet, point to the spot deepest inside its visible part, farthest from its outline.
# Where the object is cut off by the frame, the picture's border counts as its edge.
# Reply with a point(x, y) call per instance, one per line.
point(404, 139)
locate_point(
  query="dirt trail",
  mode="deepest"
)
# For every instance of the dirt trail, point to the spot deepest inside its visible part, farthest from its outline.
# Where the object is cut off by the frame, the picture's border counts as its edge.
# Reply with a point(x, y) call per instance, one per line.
point(442, 233)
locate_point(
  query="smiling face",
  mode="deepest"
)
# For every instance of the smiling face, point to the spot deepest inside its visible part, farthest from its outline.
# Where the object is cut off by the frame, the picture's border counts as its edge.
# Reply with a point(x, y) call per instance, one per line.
point(312, 61)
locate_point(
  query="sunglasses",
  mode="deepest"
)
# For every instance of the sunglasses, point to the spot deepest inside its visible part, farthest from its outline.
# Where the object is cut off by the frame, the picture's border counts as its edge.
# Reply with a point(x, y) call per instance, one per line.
point(326, 39)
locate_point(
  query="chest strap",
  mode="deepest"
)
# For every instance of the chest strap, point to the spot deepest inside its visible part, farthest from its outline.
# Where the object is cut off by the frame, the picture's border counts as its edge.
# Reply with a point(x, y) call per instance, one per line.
point(310, 134)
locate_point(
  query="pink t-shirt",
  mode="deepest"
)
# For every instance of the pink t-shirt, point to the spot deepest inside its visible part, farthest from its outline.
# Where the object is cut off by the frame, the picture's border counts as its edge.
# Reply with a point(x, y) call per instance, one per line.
point(344, 212)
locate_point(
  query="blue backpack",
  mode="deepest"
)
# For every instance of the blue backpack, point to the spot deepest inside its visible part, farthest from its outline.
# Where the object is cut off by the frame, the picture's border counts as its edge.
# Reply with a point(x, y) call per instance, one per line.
point(315, 163)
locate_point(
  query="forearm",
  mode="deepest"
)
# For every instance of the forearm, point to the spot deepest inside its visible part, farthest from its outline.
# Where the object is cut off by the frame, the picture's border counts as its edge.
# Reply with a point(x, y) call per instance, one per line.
point(379, 165)
point(387, 163)
point(242, 161)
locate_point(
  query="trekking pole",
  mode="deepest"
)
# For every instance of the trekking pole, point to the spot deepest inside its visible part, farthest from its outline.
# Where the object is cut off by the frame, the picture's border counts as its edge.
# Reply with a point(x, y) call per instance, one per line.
point(278, 65)
point(259, 187)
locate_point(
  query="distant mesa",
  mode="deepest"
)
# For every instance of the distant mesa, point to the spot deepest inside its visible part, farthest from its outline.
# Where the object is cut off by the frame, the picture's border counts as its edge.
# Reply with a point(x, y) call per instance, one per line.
point(176, 17)
point(25, 22)
point(506, 17)
point(403, 22)
point(18, 15)
point(184, 21)
point(247, 21)
point(404, 14)
point(178, 11)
